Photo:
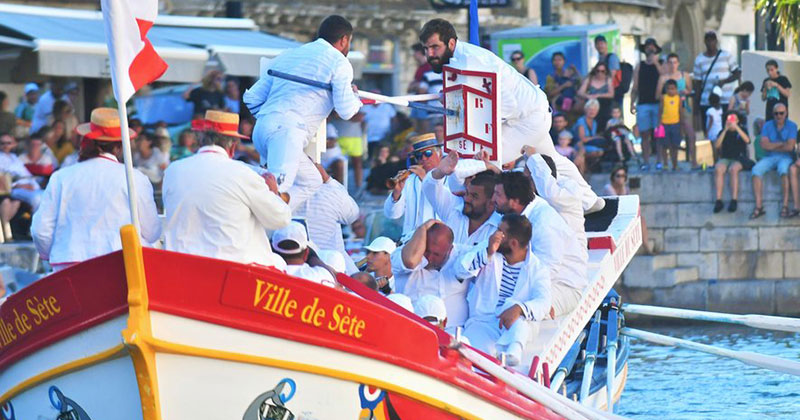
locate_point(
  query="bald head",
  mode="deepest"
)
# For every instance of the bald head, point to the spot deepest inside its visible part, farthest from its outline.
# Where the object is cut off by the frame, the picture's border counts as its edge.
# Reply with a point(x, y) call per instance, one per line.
point(438, 244)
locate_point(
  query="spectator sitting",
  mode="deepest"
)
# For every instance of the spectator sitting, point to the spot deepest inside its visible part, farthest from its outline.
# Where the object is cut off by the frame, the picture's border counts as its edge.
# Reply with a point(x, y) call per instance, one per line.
point(778, 139)
point(233, 98)
point(209, 94)
point(38, 163)
point(57, 139)
point(620, 134)
point(425, 266)
point(148, 159)
point(560, 124)
point(382, 156)
point(518, 62)
point(562, 84)
point(332, 158)
point(8, 208)
point(7, 119)
point(586, 130)
point(24, 187)
point(511, 285)
point(162, 140)
point(379, 263)
point(187, 145)
point(563, 147)
point(732, 142)
point(291, 244)
point(740, 102)
point(619, 186)
point(431, 308)
point(44, 107)
point(25, 109)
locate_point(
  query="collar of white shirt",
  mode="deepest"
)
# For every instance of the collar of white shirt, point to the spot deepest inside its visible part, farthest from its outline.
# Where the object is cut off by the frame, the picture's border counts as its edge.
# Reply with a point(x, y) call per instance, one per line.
point(213, 149)
point(108, 156)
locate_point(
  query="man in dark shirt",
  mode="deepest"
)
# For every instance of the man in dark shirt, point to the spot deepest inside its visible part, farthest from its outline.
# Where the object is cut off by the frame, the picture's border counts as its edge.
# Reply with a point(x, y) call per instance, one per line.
point(209, 95)
point(643, 97)
point(775, 89)
point(560, 123)
point(732, 144)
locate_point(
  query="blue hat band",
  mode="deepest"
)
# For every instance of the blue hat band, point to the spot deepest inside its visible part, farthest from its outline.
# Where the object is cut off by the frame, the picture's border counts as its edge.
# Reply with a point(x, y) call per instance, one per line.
point(425, 144)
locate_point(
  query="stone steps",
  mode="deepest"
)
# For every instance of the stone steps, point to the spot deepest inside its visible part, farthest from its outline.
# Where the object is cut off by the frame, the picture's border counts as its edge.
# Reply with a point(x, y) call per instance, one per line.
point(658, 271)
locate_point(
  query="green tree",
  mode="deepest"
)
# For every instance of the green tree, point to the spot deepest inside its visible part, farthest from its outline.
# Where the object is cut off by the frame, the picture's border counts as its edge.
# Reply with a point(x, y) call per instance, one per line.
point(787, 16)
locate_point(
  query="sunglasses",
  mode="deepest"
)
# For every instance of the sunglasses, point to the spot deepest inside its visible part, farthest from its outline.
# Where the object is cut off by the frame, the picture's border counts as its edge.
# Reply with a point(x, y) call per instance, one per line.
point(6, 143)
point(425, 153)
point(516, 58)
point(779, 113)
point(620, 176)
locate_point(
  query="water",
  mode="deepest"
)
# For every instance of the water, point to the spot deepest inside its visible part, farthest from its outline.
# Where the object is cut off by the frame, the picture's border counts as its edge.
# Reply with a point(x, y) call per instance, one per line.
point(671, 383)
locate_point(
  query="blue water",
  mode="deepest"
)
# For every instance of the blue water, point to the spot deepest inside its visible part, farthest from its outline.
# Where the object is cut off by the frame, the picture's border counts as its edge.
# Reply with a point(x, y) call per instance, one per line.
point(671, 383)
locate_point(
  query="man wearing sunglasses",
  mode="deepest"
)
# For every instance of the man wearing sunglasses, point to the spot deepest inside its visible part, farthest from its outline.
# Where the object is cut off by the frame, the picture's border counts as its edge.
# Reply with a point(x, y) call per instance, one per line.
point(407, 199)
point(778, 139)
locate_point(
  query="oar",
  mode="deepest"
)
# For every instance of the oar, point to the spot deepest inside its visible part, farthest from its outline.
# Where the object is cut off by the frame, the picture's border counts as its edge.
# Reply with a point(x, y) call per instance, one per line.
point(592, 343)
point(568, 362)
point(777, 323)
point(612, 336)
point(776, 364)
point(401, 101)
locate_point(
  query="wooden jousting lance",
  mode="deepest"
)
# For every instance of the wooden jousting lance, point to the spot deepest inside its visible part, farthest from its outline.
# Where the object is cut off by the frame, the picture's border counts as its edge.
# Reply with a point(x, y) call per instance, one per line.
point(776, 323)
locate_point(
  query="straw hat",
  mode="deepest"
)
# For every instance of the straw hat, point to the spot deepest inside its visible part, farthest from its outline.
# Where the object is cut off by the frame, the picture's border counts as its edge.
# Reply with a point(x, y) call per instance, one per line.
point(103, 126)
point(424, 141)
point(226, 123)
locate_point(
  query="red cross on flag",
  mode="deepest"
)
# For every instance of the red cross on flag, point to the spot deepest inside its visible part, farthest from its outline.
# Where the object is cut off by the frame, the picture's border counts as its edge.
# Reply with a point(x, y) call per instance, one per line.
point(134, 61)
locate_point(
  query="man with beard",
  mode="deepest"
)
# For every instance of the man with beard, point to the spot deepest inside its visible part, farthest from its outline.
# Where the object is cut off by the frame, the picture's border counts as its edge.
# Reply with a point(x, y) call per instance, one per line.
point(406, 199)
point(288, 114)
point(425, 265)
point(511, 290)
point(524, 110)
point(472, 217)
point(553, 243)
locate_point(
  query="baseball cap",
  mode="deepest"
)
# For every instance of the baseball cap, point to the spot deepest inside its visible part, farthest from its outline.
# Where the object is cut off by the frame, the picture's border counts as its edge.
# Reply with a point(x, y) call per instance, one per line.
point(381, 244)
point(294, 232)
point(565, 133)
point(31, 87)
point(402, 300)
point(600, 38)
point(430, 306)
point(333, 259)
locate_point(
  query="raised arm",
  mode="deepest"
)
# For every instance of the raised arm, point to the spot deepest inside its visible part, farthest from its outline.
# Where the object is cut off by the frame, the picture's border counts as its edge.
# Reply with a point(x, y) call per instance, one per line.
point(441, 199)
point(414, 249)
point(547, 186)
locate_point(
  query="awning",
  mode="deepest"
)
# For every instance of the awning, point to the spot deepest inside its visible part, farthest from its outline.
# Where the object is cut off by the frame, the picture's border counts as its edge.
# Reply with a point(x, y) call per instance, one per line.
point(650, 4)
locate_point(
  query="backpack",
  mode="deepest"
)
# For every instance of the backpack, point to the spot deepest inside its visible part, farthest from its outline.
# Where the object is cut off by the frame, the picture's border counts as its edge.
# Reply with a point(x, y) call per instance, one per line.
point(623, 78)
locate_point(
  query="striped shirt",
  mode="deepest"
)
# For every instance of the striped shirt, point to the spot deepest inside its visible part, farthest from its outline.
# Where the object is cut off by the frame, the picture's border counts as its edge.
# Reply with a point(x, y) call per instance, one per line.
point(724, 66)
point(508, 281)
point(325, 212)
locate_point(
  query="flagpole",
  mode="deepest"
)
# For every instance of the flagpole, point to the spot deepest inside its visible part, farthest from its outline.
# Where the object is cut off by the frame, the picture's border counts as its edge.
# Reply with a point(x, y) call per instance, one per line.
point(127, 158)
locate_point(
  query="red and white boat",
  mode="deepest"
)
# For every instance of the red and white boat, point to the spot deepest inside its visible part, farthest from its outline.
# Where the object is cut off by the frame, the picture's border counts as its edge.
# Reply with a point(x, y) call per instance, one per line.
point(146, 334)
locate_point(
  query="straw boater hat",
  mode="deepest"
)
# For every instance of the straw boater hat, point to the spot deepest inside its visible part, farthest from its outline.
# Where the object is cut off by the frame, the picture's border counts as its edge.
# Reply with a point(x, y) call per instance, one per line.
point(424, 141)
point(226, 123)
point(103, 126)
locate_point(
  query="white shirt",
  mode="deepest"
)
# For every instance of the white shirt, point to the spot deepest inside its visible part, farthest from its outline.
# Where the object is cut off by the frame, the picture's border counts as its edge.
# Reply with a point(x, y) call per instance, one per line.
point(418, 281)
point(556, 246)
point(412, 204)
point(519, 95)
point(150, 166)
point(450, 208)
point(531, 291)
point(284, 101)
point(563, 194)
point(220, 208)
point(83, 208)
point(14, 166)
point(723, 67)
point(325, 212)
point(315, 274)
point(378, 118)
point(714, 121)
point(43, 110)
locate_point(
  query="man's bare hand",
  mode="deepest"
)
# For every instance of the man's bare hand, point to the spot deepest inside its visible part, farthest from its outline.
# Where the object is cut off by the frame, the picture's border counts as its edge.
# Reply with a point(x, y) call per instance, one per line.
point(272, 183)
point(528, 150)
point(485, 156)
point(448, 165)
point(494, 242)
point(509, 317)
point(418, 170)
point(427, 225)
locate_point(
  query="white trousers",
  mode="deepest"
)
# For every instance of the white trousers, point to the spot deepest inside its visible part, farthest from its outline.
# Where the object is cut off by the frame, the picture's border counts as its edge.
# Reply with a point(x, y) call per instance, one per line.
point(564, 298)
point(534, 129)
point(281, 148)
point(485, 335)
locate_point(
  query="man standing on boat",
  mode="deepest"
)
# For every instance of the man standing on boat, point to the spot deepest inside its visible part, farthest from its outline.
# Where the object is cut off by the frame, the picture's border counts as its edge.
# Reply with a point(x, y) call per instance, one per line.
point(218, 207)
point(85, 205)
point(511, 292)
point(288, 113)
point(524, 109)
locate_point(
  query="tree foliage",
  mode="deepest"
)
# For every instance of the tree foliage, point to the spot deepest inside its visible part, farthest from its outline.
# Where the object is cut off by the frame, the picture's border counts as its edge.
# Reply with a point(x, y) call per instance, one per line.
point(786, 16)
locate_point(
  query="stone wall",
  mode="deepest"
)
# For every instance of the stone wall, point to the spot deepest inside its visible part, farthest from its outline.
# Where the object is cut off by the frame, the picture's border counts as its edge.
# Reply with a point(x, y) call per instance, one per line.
point(723, 262)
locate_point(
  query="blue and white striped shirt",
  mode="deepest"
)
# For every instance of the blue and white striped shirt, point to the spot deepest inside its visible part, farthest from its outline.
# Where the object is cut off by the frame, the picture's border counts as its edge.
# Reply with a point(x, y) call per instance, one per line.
point(508, 281)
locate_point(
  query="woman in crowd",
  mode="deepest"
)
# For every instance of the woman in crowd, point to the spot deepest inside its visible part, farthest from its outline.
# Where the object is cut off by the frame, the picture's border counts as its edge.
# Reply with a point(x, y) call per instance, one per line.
point(518, 61)
point(683, 79)
point(600, 87)
point(775, 89)
point(187, 145)
point(740, 102)
point(586, 131)
point(619, 186)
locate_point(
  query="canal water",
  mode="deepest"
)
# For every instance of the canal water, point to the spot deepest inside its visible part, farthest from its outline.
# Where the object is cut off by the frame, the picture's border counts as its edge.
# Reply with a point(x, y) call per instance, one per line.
point(670, 383)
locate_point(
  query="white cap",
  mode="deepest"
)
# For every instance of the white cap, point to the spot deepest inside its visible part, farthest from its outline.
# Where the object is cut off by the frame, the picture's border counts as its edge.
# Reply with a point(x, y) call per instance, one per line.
point(296, 232)
point(382, 244)
point(402, 300)
point(331, 132)
point(430, 306)
point(31, 87)
point(716, 90)
point(332, 258)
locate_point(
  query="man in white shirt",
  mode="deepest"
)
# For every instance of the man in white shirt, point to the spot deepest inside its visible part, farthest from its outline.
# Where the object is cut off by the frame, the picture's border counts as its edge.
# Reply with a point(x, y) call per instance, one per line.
point(379, 263)
point(378, 117)
point(425, 265)
point(554, 243)
point(289, 113)
point(563, 194)
point(511, 290)
point(406, 199)
point(24, 186)
point(85, 205)
point(291, 243)
point(472, 217)
point(218, 207)
point(326, 212)
point(524, 109)
point(44, 108)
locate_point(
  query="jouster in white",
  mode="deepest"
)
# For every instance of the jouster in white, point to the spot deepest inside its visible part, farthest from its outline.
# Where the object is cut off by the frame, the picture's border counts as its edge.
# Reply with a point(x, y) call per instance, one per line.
point(291, 243)
point(524, 109)
point(218, 207)
point(288, 114)
point(85, 205)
